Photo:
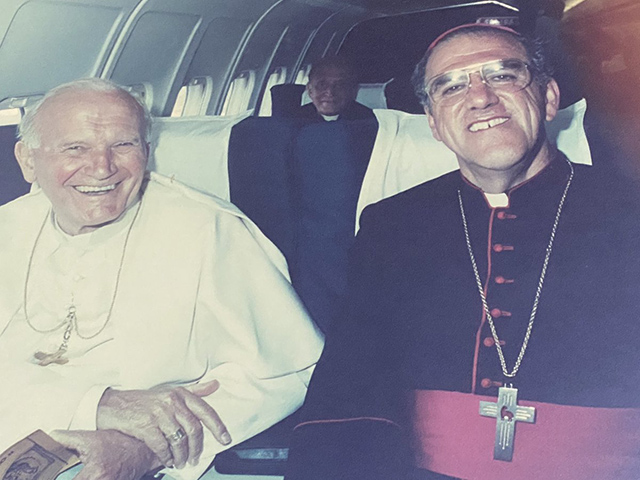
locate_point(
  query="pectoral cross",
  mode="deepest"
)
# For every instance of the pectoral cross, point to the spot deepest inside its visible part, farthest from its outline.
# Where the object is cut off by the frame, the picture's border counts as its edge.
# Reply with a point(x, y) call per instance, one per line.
point(507, 412)
point(43, 359)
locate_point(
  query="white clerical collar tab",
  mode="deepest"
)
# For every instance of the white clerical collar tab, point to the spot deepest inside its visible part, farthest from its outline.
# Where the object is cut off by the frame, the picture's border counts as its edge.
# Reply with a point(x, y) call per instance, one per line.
point(330, 118)
point(497, 200)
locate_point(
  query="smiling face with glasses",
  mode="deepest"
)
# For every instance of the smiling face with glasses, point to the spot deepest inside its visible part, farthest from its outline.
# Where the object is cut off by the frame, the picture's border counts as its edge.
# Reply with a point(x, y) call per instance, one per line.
point(488, 109)
point(510, 75)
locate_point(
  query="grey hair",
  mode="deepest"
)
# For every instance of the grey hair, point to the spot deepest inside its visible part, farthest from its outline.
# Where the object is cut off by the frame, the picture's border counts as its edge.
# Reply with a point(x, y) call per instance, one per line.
point(28, 129)
point(534, 49)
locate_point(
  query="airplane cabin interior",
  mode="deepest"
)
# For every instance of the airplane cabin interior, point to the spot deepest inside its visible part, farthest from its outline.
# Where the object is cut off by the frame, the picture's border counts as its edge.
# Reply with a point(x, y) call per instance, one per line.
point(206, 69)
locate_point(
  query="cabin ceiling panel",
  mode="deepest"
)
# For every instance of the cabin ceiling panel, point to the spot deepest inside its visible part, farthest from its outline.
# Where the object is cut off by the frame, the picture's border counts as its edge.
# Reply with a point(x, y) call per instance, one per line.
point(279, 39)
point(350, 13)
point(45, 43)
point(321, 45)
point(165, 73)
point(291, 46)
point(217, 51)
point(9, 9)
point(300, 13)
point(387, 7)
point(241, 9)
point(276, 38)
point(332, 32)
point(154, 52)
point(260, 48)
point(302, 21)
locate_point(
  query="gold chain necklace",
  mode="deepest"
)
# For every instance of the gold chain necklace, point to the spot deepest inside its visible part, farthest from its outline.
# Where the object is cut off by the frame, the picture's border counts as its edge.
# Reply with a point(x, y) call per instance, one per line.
point(534, 309)
point(71, 320)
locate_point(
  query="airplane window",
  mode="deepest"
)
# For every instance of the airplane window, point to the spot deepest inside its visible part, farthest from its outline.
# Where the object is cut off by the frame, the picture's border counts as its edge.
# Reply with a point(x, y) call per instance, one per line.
point(278, 77)
point(302, 78)
point(193, 98)
point(10, 116)
point(143, 91)
point(178, 106)
point(239, 93)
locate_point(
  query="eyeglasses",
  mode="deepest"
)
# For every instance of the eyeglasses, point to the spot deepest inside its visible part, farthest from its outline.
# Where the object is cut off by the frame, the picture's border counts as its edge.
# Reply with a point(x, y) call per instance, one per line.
point(510, 75)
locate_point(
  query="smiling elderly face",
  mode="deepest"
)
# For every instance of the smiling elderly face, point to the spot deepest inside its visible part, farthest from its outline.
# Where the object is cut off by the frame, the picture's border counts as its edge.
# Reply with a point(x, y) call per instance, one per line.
point(91, 157)
point(332, 88)
point(490, 130)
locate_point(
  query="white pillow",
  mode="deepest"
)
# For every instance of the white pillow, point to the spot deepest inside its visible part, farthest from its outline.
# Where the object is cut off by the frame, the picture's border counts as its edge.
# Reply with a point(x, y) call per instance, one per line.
point(194, 150)
point(406, 154)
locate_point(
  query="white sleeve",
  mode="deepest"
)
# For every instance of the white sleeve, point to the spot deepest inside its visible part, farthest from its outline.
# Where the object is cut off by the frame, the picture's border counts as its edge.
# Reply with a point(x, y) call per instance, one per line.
point(35, 397)
point(261, 344)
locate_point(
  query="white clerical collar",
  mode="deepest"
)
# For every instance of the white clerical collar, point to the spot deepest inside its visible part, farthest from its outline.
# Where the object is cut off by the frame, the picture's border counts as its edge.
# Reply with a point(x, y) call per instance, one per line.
point(497, 200)
point(330, 118)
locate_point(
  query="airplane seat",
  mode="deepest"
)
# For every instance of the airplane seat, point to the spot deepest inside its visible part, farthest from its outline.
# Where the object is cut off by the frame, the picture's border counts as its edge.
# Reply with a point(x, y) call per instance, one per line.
point(406, 154)
point(372, 95)
point(400, 96)
point(299, 181)
point(193, 150)
point(259, 173)
point(330, 160)
point(286, 99)
point(263, 454)
point(12, 184)
point(246, 160)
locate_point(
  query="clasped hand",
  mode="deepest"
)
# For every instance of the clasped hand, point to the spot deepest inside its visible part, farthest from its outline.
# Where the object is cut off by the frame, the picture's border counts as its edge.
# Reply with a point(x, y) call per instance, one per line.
point(169, 420)
point(107, 454)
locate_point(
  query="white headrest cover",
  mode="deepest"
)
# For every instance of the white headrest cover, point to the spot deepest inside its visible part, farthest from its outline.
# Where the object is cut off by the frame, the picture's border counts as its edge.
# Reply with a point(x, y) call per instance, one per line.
point(194, 151)
point(406, 153)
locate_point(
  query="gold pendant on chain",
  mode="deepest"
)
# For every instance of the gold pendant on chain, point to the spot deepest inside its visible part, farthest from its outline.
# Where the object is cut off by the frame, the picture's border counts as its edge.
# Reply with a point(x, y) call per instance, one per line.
point(43, 359)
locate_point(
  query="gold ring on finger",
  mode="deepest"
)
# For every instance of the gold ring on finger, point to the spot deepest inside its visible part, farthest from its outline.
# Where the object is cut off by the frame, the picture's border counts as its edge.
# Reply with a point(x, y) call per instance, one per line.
point(177, 436)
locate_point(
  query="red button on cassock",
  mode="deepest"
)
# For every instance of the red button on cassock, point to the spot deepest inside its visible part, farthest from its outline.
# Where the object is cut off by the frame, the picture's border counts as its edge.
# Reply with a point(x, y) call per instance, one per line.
point(505, 216)
point(488, 383)
point(490, 342)
point(496, 312)
point(500, 280)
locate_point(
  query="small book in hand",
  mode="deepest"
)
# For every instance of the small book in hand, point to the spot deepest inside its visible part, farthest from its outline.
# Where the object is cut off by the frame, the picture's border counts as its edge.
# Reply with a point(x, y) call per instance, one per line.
point(36, 457)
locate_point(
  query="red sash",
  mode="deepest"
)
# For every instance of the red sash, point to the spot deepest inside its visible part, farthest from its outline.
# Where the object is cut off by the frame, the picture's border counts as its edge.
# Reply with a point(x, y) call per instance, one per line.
point(565, 442)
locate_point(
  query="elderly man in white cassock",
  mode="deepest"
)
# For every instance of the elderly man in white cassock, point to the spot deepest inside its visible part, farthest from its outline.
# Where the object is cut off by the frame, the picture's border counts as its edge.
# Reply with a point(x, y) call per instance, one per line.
point(142, 324)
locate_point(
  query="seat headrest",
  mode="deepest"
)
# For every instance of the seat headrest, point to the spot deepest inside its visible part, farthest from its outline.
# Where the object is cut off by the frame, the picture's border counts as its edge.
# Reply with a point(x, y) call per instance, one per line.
point(286, 99)
point(406, 153)
point(194, 151)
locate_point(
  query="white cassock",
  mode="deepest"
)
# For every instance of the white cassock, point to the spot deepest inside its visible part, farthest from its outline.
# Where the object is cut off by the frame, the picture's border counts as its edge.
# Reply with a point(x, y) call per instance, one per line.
point(186, 289)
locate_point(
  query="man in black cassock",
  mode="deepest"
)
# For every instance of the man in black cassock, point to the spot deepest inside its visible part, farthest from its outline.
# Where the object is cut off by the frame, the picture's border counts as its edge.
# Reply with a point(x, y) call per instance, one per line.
point(333, 88)
point(492, 328)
